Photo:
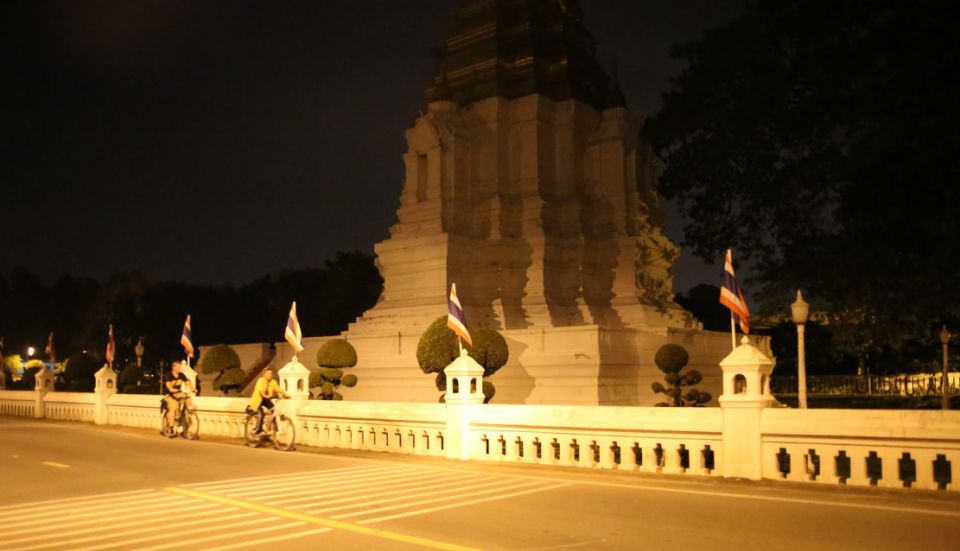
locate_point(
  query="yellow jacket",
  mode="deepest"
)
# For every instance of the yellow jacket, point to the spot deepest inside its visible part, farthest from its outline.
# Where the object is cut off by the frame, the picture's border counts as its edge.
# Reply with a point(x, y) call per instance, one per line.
point(272, 390)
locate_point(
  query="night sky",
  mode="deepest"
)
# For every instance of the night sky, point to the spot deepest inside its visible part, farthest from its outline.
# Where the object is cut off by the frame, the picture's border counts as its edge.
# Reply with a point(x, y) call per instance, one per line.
point(216, 142)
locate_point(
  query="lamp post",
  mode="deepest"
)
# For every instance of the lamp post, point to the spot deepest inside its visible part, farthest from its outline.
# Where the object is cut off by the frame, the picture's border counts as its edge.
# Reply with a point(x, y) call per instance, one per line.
point(138, 350)
point(800, 311)
point(944, 387)
point(30, 352)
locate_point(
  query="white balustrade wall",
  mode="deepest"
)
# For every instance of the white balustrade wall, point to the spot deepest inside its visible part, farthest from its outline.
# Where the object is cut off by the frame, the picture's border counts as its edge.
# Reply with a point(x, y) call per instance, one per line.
point(885, 448)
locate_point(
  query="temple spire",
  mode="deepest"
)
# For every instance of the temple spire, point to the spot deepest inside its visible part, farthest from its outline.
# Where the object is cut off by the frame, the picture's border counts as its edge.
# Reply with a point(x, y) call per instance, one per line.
point(514, 48)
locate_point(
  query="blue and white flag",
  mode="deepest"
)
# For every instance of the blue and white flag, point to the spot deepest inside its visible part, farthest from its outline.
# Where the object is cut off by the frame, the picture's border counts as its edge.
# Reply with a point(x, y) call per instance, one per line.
point(455, 318)
point(186, 339)
point(293, 334)
point(732, 297)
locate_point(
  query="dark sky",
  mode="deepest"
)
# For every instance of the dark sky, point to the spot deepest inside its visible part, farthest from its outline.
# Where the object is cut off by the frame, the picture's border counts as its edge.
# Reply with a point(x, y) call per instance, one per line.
point(214, 142)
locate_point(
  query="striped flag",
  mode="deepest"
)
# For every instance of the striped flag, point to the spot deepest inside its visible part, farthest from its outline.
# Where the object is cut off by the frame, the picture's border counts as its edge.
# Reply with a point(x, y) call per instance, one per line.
point(293, 334)
point(455, 318)
point(186, 339)
point(111, 347)
point(50, 351)
point(732, 297)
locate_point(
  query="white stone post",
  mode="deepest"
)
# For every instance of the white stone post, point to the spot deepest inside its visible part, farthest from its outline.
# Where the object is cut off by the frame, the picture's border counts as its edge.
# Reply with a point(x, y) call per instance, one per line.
point(190, 373)
point(295, 381)
point(106, 386)
point(746, 384)
point(41, 386)
point(464, 395)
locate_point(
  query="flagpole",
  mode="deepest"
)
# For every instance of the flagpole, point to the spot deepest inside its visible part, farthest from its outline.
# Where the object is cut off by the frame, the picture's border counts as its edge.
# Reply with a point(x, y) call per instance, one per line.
point(733, 333)
point(460, 344)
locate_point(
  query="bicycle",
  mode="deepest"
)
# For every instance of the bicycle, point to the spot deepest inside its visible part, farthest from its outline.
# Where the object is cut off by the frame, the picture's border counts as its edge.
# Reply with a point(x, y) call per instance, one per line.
point(277, 427)
point(186, 423)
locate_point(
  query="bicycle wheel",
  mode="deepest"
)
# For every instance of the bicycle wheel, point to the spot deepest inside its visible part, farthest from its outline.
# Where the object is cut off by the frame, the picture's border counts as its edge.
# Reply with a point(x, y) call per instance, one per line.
point(250, 428)
point(284, 433)
point(165, 428)
point(191, 424)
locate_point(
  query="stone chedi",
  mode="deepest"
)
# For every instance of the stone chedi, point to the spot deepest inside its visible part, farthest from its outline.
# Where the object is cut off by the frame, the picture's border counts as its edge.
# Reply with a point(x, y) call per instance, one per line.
point(529, 184)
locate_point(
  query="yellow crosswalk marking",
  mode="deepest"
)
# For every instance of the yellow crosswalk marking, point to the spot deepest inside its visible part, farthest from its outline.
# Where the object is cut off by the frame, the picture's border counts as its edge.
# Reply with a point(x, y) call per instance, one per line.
point(340, 525)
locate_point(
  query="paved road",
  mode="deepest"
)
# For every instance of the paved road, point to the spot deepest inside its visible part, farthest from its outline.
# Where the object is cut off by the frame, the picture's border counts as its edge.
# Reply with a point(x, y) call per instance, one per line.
point(77, 486)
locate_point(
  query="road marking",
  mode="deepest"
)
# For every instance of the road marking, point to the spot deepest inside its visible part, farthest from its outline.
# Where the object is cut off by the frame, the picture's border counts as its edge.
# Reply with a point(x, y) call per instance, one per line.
point(394, 489)
point(191, 541)
point(55, 464)
point(254, 479)
point(98, 524)
point(183, 535)
point(353, 488)
point(415, 540)
point(95, 510)
point(20, 507)
point(318, 482)
point(269, 540)
point(424, 501)
point(460, 504)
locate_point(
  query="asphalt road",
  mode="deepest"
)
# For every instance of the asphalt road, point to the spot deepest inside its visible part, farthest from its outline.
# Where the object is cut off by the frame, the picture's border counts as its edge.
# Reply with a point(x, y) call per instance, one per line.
point(79, 486)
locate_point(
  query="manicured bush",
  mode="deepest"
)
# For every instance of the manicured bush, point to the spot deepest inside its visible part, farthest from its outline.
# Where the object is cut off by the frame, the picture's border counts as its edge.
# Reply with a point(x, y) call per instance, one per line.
point(438, 348)
point(671, 359)
point(224, 361)
point(130, 376)
point(229, 380)
point(333, 357)
point(218, 359)
point(81, 367)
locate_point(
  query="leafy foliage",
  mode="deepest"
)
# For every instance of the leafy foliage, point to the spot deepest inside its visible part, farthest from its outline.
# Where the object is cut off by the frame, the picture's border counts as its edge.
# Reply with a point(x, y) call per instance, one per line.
point(671, 359)
point(438, 347)
point(218, 359)
point(818, 139)
point(130, 378)
point(229, 380)
point(333, 357)
point(79, 309)
point(337, 353)
point(81, 367)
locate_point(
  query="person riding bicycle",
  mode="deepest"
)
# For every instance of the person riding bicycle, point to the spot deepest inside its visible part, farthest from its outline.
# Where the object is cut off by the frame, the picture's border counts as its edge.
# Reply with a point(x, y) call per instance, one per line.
point(263, 394)
point(174, 395)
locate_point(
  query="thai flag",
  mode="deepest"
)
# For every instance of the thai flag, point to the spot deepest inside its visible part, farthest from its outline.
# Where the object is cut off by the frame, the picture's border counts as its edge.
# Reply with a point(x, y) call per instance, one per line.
point(111, 347)
point(186, 339)
point(50, 351)
point(455, 318)
point(732, 297)
point(293, 334)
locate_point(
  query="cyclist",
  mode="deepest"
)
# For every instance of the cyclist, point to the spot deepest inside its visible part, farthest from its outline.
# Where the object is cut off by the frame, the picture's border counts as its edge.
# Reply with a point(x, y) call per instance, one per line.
point(263, 394)
point(173, 394)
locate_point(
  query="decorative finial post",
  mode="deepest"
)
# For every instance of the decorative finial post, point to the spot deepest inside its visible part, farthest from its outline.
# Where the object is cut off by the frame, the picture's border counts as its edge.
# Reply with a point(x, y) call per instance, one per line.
point(944, 385)
point(800, 311)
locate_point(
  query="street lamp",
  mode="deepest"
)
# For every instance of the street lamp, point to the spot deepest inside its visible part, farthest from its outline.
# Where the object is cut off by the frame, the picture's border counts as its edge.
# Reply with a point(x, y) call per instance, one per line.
point(800, 311)
point(139, 351)
point(31, 351)
point(944, 387)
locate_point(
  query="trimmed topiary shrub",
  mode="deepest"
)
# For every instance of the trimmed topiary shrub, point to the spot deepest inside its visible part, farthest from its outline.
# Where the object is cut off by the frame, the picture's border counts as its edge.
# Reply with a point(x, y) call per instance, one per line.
point(130, 378)
point(333, 357)
point(229, 380)
point(671, 359)
point(218, 359)
point(79, 372)
point(222, 360)
point(438, 347)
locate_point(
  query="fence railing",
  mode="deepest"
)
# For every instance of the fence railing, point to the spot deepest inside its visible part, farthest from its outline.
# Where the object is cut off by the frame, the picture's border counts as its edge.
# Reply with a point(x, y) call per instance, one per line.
point(745, 437)
point(881, 385)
